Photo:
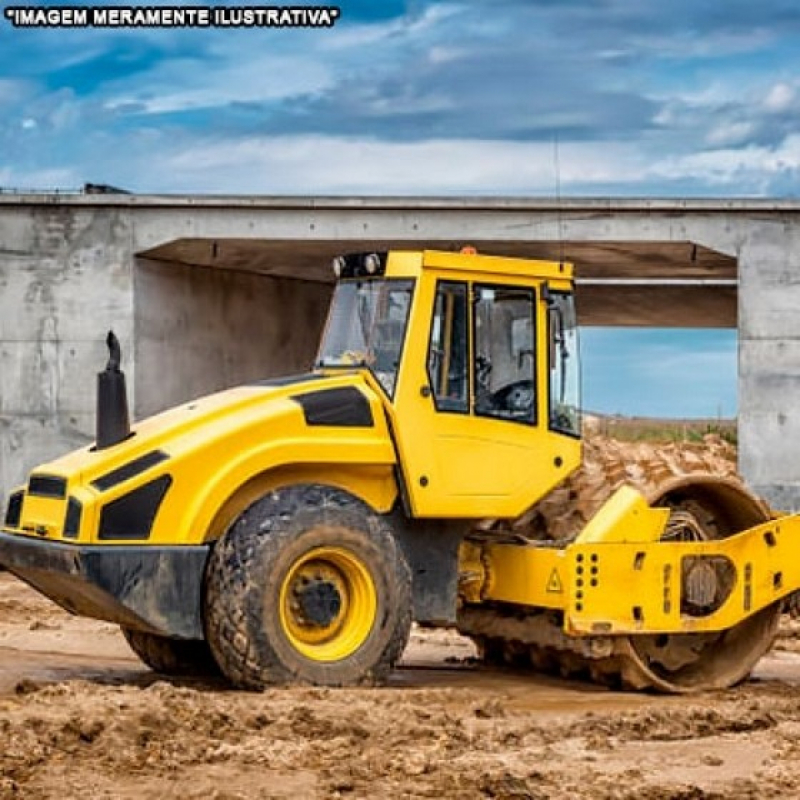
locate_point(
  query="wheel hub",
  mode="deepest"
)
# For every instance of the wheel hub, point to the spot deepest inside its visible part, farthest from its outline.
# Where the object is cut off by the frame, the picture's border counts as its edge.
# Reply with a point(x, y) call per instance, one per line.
point(319, 602)
point(327, 603)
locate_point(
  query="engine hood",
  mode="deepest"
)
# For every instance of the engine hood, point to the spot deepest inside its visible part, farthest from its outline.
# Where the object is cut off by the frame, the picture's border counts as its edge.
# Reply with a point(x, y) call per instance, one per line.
point(318, 399)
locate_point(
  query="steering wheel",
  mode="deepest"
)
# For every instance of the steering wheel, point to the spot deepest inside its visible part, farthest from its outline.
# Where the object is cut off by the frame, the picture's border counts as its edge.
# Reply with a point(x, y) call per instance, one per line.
point(355, 357)
point(515, 398)
point(562, 421)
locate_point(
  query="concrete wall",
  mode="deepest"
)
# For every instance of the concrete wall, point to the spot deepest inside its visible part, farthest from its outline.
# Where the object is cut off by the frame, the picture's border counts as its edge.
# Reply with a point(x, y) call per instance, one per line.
point(197, 330)
point(69, 272)
point(65, 279)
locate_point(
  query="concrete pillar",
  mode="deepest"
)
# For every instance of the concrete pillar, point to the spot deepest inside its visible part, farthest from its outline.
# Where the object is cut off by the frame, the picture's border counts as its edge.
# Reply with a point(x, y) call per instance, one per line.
point(65, 279)
point(769, 359)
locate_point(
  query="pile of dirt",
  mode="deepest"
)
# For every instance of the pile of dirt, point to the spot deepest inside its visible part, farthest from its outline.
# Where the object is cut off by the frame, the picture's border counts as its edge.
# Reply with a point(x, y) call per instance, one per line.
point(610, 463)
point(90, 739)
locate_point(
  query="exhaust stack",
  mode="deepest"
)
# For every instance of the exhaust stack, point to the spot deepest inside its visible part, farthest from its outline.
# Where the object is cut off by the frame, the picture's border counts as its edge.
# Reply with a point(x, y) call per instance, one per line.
point(113, 424)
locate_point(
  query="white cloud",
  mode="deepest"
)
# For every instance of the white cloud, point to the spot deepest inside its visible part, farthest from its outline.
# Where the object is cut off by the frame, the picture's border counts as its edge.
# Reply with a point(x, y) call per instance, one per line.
point(12, 91)
point(730, 133)
point(711, 45)
point(367, 37)
point(242, 79)
point(320, 164)
point(733, 165)
point(331, 164)
point(444, 54)
point(248, 69)
point(780, 98)
point(40, 179)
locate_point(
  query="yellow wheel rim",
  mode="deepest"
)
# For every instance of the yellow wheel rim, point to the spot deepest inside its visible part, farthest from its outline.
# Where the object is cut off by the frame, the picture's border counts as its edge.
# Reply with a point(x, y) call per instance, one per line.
point(328, 604)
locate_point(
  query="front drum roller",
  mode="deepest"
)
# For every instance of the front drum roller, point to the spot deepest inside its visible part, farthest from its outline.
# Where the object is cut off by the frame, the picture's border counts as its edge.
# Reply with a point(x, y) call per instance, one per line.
point(703, 508)
point(308, 586)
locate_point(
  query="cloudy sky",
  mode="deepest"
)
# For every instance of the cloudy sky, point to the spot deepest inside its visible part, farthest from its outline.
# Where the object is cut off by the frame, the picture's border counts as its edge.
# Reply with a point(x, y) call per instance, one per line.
point(645, 97)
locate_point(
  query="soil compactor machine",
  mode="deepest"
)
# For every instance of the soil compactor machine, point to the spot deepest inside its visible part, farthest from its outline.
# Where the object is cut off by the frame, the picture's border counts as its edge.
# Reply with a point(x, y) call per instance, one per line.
point(291, 530)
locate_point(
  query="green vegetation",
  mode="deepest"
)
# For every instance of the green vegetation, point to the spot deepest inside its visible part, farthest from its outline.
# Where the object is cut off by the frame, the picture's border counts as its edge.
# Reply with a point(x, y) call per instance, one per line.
point(644, 429)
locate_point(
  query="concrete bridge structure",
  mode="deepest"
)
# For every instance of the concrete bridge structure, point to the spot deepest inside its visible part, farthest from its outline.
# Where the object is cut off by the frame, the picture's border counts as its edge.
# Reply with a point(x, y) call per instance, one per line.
point(206, 292)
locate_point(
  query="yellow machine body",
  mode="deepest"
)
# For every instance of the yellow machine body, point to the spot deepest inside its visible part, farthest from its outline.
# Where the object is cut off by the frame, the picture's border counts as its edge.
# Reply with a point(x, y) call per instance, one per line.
point(219, 453)
point(223, 451)
point(619, 577)
point(465, 465)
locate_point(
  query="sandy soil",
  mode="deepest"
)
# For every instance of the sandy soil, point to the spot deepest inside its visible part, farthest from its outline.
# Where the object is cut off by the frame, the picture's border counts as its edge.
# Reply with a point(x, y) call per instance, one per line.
point(81, 718)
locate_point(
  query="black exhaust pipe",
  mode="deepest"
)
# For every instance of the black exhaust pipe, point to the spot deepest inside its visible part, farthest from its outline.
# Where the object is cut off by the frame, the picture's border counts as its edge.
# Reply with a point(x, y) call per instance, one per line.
point(113, 424)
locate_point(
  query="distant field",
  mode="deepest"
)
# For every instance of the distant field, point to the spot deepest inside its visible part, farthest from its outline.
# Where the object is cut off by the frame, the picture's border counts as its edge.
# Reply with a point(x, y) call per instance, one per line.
point(645, 429)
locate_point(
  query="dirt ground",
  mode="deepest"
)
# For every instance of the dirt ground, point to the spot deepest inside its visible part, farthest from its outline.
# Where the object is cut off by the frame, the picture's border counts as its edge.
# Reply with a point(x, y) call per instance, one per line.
point(81, 718)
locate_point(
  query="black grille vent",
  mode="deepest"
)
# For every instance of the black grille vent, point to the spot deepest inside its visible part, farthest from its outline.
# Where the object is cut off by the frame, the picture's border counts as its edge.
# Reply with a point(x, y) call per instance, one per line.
point(72, 522)
point(132, 515)
point(129, 470)
point(47, 486)
point(14, 510)
point(341, 407)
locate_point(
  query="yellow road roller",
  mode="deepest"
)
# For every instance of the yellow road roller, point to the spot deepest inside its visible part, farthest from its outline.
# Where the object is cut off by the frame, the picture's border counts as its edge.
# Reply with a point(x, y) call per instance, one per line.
point(290, 531)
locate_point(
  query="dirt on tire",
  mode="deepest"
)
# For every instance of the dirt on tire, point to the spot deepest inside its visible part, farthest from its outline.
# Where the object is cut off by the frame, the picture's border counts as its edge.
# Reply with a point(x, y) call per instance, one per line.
point(248, 636)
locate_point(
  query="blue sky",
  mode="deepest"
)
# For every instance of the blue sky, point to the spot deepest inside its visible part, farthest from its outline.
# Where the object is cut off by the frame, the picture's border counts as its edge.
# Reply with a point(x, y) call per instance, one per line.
point(679, 98)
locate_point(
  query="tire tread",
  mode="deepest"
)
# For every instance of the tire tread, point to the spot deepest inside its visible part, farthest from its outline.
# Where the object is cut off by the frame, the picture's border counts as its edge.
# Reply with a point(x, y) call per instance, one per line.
point(234, 586)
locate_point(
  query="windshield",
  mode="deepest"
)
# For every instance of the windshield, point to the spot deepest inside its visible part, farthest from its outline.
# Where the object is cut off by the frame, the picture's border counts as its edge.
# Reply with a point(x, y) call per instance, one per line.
point(366, 327)
point(565, 415)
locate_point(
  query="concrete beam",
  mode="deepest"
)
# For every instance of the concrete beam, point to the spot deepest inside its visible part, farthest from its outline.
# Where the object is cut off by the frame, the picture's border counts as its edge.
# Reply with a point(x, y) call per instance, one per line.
point(706, 298)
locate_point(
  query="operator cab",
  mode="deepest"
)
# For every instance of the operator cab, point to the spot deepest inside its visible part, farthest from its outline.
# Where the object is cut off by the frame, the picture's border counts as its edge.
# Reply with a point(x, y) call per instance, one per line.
point(494, 376)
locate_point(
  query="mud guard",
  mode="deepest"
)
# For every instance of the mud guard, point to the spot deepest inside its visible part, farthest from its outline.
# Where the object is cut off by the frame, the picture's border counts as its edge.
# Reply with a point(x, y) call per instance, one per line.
point(431, 549)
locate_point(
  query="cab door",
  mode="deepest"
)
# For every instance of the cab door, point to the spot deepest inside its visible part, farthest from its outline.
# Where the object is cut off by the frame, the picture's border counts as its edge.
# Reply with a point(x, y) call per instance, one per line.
point(468, 412)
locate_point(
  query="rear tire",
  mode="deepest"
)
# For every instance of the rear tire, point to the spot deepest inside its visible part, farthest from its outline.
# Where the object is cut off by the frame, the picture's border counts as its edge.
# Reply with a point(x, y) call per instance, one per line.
point(188, 657)
point(308, 586)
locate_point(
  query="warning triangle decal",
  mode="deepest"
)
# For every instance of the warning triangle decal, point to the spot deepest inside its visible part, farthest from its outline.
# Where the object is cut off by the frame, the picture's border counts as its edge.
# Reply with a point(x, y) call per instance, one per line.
point(554, 583)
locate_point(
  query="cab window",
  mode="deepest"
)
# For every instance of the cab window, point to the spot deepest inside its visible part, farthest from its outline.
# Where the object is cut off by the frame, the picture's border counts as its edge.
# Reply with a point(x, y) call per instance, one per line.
point(565, 407)
point(447, 351)
point(505, 356)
